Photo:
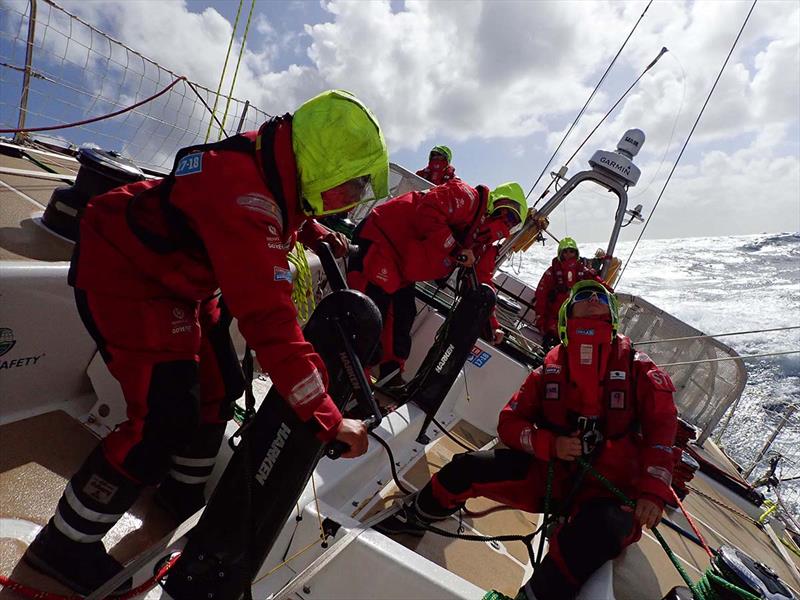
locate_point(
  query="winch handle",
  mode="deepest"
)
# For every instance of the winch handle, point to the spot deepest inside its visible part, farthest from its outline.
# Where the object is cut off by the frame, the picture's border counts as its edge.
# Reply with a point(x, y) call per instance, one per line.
point(361, 387)
point(334, 274)
point(336, 448)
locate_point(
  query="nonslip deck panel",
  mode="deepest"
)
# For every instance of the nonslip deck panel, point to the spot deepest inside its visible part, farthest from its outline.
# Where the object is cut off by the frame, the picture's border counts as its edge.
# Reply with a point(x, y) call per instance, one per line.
point(37, 457)
point(21, 200)
point(501, 568)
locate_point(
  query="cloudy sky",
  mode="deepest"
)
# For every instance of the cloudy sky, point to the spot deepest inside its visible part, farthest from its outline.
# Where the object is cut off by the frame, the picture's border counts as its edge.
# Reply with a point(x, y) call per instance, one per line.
point(500, 82)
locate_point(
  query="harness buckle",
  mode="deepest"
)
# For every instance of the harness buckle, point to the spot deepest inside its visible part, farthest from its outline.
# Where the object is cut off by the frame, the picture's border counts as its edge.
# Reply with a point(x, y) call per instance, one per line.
point(590, 434)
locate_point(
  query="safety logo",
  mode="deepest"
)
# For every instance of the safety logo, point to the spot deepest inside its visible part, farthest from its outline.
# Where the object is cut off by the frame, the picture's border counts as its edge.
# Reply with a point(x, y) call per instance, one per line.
point(7, 340)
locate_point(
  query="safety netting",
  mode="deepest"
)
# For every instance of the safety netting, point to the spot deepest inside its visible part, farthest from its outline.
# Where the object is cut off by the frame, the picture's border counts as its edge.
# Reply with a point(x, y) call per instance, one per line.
point(707, 381)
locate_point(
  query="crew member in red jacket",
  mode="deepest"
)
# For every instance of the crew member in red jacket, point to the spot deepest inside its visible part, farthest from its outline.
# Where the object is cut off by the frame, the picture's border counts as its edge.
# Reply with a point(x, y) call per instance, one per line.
point(439, 169)
point(566, 270)
point(422, 236)
point(594, 397)
point(146, 271)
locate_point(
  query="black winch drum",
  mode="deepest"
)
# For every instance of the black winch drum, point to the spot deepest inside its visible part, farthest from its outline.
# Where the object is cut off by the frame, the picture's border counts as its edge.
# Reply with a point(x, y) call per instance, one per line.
point(100, 172)
point(741, 570)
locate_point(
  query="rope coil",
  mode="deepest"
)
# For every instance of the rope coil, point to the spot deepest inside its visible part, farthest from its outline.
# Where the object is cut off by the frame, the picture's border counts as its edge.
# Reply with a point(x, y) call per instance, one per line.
point(303, 290)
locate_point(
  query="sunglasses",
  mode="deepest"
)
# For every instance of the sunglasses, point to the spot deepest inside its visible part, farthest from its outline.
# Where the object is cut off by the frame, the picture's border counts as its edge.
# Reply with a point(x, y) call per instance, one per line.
point(588, 295)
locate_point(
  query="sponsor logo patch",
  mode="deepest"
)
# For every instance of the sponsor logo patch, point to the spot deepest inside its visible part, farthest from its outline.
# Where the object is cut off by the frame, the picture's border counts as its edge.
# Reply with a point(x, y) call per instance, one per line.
point(280, 274)
point(478, 357)
point(617, 400)
point(449, 241)
point(584, 331)
point(661, 380)
point(551, 391)
point(552, 369)
point(587, 352)
point(99, 489)
point(617, 375)
point(188, 165)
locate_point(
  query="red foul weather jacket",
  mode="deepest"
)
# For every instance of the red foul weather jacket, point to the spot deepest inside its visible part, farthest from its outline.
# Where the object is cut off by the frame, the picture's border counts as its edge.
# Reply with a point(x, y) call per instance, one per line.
point(225, 218)
point(637, 415)
point(553, 289)
point(417, 236)
point(438, 177)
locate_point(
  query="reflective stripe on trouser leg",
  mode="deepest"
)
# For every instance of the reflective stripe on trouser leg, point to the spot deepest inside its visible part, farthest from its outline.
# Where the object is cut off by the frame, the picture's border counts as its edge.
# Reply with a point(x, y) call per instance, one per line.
point(194, 464)
point(95, 498)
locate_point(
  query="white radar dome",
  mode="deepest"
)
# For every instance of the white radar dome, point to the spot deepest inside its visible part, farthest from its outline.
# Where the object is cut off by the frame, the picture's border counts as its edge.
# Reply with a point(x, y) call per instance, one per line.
point(631, 142)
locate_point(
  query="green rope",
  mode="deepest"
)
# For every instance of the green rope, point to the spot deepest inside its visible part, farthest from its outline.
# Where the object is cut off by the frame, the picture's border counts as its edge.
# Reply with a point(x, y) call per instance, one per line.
point(224, 68)
point(303, 290)
point(546, 516)
point(495, 595)
point(236, 72)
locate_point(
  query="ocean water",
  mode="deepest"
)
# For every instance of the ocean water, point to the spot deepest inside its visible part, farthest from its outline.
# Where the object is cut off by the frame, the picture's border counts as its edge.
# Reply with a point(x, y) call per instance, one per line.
point(721, 285)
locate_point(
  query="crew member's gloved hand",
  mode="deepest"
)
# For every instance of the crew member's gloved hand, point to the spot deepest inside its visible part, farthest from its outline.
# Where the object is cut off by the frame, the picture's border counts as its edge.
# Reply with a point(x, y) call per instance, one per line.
point(353, 433)
point(647, 513)
point(465, 257)
point(569, 447)
point(338, 242)
point(499, 335)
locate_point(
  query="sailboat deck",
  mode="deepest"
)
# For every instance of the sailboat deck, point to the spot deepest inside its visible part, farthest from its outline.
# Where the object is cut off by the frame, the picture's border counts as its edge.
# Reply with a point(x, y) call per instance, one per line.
point(23, 198)
point(642, 572)
point(37, 456)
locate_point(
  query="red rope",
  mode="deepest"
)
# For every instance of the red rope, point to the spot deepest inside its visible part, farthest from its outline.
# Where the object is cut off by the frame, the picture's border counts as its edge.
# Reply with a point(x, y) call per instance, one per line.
point(95, 119)
point(29, 592)
point(692, 523)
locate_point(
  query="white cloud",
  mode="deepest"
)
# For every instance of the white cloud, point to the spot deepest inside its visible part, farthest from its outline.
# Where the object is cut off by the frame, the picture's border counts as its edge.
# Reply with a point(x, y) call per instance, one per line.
point(475, 70)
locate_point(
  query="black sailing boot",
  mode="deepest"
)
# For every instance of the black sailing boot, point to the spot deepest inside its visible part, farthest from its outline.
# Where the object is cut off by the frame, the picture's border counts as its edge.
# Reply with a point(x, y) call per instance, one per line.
point(70, 548)
point(182, 493)
point(388, 368)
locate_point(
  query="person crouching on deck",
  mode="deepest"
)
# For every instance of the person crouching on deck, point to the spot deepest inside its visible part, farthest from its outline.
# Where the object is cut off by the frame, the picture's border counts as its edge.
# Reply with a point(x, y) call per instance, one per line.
point(594, 397)
point(146, 271)
point(422, 236)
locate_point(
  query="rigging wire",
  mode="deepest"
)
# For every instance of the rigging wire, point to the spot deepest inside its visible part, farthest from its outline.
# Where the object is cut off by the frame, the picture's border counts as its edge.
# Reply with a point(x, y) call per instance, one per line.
point(643, 190)
point(238, 62)
point(224, 67)
point(588, 100)
point(605, 116)
point(699, 337)
point(724, 358)
point(689, 137)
